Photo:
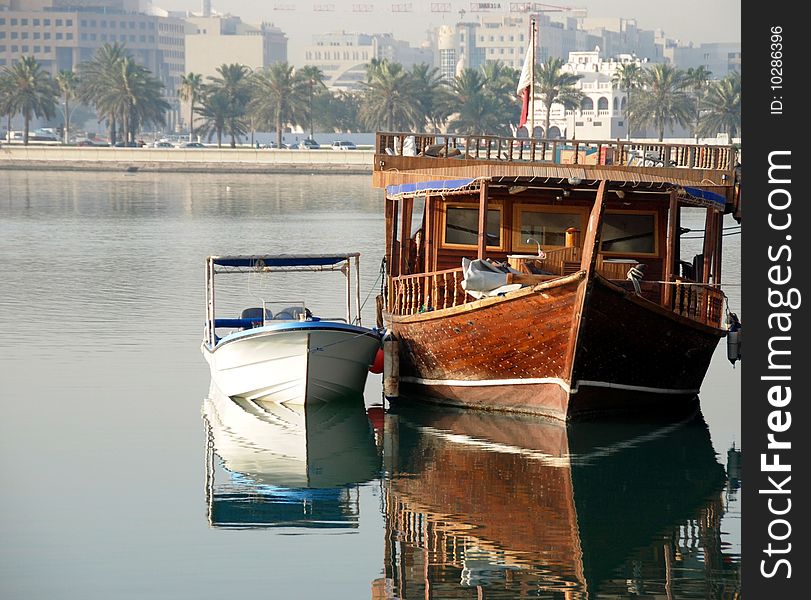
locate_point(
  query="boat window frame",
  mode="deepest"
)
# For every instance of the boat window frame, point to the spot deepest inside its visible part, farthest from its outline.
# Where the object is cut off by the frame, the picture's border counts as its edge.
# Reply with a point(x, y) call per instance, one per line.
point(656, 246)
point(518, 239)
point(491, 205)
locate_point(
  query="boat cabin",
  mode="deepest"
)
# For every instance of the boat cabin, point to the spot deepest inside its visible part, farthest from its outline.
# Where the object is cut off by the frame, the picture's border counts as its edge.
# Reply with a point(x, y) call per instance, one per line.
point(551, 208)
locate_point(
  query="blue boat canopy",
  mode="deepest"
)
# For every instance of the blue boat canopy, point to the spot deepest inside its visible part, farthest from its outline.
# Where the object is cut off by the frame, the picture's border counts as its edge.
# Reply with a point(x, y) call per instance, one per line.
point(706, 198)
point(405, 190)
point(282, 260)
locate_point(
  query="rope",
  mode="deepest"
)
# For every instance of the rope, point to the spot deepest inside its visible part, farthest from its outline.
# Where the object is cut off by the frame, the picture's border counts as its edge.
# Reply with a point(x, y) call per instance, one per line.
point(349, 339)
point(379, 275)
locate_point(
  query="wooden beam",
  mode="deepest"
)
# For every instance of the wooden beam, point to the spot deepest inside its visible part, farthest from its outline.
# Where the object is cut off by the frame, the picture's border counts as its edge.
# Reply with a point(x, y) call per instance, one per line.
point(672, 247)
point(591, 239)
point(428, 247)
point(483, 219)
point(406, 208)
point(709, 234)
point(392, 257)
point(719, 249)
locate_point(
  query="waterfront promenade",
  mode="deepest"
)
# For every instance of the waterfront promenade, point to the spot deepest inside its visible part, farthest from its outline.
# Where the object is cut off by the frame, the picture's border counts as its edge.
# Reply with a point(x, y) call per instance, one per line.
point(181, 160)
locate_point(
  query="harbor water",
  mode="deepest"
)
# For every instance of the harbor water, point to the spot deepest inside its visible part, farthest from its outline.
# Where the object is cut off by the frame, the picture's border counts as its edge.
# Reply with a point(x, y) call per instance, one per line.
point(124, 476)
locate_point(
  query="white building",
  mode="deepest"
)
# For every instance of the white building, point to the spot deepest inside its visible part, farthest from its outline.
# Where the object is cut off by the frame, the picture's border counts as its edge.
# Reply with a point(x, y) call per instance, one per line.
point(601, 115)
point(343, 57)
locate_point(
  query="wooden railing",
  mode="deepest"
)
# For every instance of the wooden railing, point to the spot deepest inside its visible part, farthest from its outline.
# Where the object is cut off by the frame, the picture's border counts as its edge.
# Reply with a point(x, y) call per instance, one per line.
point(559, 151)
point(699, 302)
point(410, 294)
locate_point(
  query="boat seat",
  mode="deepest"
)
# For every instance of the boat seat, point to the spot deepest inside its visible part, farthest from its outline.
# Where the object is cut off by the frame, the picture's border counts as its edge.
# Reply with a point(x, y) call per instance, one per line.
point(255, 314)
point(293, 313)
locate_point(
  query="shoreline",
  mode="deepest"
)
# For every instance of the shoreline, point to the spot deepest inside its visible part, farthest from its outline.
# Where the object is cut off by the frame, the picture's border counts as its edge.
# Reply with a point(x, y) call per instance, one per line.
point(178, 160)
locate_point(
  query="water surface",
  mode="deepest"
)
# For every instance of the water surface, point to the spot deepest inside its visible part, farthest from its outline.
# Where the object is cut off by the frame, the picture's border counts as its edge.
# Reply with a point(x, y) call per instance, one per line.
point(115, 486)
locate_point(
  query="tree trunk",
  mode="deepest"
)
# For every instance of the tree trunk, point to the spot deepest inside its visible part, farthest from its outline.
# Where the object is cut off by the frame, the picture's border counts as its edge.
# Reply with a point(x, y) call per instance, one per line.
point(279, 133)
point(67, 120)
point(191, 122)
point(219, 138)
point(26, 125)
point(546, 121)
point(628, 112)
point(111, 119)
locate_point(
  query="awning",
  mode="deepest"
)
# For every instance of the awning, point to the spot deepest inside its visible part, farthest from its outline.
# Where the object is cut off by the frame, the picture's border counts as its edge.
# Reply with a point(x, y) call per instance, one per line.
point(410, 190)
point(283, 260)
point(704, 198)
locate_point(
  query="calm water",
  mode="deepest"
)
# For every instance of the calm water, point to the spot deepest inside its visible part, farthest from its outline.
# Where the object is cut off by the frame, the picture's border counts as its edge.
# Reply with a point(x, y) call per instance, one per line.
point(122, 478)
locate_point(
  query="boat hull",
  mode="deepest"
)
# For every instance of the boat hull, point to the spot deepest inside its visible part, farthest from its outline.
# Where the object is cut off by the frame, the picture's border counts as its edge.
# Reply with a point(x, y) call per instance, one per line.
point(294, 363)
point(558, 350)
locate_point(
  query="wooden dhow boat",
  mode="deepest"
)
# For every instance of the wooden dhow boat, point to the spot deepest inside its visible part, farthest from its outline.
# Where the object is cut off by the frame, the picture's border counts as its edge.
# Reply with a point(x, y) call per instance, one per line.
point(598, 311)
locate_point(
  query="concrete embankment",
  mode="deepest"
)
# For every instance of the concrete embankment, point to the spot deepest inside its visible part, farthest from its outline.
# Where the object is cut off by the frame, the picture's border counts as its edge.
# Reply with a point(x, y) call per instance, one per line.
point(180, 160)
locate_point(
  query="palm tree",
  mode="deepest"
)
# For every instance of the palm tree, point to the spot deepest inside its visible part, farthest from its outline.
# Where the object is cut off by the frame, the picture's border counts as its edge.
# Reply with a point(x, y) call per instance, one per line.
point(664, 101)
point(723, 107)
point(475, 110)
point(500, 82)
point(388, 101)
point(698, 78)
point(191, 87)
point(313, 77)
point(627, 78)
point(279, 98)
point(68, 85)
point(31, 91)
point(215, 109)
point(5, 99)
point(95, 77)
point(233, 84)
point(431, 94)
point(553, 85)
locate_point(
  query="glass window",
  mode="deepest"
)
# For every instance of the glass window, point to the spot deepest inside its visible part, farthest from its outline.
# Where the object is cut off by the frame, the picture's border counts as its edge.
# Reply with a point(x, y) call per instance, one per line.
point(549, 228)
point(462, 226)
point(629, 233)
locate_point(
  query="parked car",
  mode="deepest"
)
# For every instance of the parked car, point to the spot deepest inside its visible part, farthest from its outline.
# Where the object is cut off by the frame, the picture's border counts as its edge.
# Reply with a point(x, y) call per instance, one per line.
point(85, 143)
point(163, 144)
point(343, 145)
point(138, 144)
point(192, 145)
point(274, 145)
point(308, 144)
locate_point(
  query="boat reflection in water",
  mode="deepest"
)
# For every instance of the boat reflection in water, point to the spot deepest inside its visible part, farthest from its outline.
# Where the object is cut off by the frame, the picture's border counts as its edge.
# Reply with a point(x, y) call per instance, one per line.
point(270, 465)
point(488, 505)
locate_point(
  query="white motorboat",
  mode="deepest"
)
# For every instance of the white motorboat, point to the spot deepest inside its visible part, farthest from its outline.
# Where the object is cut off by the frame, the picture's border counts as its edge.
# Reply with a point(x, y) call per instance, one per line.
point(280, 351)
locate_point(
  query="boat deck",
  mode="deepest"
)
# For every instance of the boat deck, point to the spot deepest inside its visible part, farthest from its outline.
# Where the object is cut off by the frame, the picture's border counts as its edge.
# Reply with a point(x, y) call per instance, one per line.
point(408, 157)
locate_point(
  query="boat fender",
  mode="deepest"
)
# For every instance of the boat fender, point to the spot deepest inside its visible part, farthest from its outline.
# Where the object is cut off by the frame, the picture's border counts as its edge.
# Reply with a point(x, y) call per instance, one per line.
point(391, 366)
point(734, 338)
point(377, 365)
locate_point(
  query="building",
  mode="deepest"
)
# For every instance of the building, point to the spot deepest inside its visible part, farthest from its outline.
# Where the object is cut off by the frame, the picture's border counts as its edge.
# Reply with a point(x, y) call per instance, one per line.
point(215, 40)
point(720, 59)
point(601, 114)
point(62, 34)
point(343, 57)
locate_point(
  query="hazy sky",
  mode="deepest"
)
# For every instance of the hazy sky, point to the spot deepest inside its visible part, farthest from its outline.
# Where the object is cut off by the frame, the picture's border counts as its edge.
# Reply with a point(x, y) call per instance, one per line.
point(688, 20)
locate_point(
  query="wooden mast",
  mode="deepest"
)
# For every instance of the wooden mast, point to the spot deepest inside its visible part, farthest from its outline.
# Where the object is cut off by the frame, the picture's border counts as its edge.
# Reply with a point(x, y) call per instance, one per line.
point(672, 245)
point(485, 188)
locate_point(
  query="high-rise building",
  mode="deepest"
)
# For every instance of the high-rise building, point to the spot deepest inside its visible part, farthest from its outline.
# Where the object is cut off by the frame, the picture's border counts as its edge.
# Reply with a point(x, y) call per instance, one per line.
point(224, 39)
point(62, 34)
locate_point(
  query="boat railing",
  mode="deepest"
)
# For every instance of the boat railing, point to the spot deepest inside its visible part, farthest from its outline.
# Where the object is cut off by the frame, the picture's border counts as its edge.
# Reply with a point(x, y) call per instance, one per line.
point(411, 294)
point(559, 151)
point(699, 302)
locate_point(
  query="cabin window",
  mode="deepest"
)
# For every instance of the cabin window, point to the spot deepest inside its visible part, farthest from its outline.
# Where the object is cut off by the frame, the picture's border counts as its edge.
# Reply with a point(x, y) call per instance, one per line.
point(462, 226)
point(628, 233)
point(548, 225)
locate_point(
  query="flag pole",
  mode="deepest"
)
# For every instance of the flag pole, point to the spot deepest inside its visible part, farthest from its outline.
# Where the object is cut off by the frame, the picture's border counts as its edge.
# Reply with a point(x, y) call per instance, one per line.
point(532, 79)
